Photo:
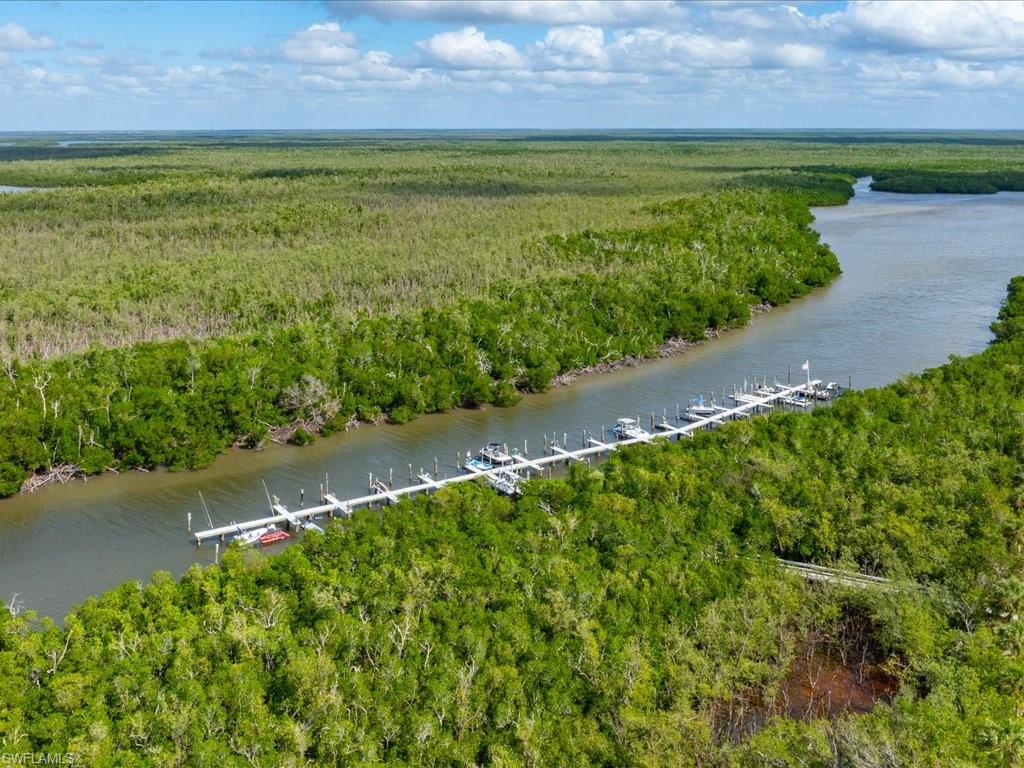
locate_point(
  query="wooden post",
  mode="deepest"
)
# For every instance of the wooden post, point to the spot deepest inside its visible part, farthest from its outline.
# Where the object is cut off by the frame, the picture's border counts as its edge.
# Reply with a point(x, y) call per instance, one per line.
point(526, 449)
point(435, 466)
point(302, 498)
point(369, 481)
point(410, 473)
point(190, 522)
point(391, 477)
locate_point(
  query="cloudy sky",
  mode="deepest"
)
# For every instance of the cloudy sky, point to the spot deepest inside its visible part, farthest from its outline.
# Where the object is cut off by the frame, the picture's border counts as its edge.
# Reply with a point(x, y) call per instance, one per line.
point(511, 64)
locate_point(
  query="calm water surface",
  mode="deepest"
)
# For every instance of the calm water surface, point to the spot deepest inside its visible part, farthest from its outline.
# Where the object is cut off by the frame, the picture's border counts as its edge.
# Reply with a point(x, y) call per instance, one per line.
point(923, 278)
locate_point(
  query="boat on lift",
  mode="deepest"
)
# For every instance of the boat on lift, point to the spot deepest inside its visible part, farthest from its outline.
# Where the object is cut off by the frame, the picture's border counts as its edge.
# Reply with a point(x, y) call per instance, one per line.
point(629, 429)
point(506, 482)
point(828, 391)
point(495, 454)
point(798, 400)
point(476, 464)
point(252, 536)
point(699, 409)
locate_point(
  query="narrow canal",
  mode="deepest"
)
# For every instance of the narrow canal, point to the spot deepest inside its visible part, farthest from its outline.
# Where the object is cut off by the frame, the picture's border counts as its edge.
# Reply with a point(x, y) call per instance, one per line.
point(923, 278)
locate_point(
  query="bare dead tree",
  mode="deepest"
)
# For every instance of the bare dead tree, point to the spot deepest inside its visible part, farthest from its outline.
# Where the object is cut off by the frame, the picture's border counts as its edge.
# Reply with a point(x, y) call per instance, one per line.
point(15, 605)
point(41, 384)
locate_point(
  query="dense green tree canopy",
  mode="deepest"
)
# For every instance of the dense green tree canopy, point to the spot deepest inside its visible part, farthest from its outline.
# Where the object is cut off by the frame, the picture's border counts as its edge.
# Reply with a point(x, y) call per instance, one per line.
point(630, 614)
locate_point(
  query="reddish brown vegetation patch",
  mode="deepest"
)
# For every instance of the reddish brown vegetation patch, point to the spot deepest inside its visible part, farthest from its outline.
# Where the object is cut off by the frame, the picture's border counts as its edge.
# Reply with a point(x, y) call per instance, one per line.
point(822, 682)
point(818, 686)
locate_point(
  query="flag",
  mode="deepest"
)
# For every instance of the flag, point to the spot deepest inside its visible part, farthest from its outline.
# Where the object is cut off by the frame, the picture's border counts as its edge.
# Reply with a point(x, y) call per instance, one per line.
point(806, 366)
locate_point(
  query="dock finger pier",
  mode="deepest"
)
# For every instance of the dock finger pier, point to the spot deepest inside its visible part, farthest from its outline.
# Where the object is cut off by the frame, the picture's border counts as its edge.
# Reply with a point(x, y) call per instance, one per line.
point(505, 470)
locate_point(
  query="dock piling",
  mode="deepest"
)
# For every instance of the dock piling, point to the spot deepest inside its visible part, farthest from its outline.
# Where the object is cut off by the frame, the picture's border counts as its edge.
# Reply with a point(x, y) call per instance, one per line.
point(745, 405)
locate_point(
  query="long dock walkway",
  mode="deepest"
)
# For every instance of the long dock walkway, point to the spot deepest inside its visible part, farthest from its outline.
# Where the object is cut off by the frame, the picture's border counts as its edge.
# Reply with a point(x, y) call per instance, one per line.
point(750, 403)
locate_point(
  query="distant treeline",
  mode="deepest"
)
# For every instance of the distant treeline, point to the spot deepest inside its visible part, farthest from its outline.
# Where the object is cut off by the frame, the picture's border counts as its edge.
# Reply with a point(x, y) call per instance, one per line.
point(628, 615)
point(700, 265)
point(948, 182)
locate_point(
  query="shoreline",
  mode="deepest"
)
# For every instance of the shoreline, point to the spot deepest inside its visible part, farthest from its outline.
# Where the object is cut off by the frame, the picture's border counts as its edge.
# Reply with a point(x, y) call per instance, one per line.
point(64, 474)
point(670, 348)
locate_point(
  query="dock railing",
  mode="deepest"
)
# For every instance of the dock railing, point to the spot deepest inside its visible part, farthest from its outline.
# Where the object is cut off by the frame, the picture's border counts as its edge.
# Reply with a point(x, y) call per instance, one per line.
point(332, 506)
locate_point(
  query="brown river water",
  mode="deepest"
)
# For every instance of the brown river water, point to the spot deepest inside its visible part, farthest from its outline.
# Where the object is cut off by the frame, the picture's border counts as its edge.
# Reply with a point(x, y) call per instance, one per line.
point(923, 276)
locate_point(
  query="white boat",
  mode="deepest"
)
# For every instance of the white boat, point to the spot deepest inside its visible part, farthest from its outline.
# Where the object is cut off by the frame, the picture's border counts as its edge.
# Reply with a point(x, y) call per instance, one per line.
point(828, 391)
point(628, 429)
point(252, 536)
point(475, 464)
point(699, 409)
point(495, 455)
point(797, 399)
point(505, 482)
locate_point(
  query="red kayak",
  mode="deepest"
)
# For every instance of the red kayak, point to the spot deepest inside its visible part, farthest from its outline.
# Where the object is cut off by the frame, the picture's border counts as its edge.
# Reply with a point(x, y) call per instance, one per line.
point(273, 537)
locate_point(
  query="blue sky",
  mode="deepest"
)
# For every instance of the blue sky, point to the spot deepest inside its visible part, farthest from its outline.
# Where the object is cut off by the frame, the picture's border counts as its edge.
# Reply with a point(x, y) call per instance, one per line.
point(510, 64)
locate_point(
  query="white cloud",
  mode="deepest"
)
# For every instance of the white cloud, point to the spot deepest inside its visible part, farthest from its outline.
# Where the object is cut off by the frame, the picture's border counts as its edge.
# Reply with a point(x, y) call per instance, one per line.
point(623, 56)
point(469, 48)
point(80, 61)
point(87, 43)
point(942, 73)
point(14, 37)
point(796, 55)
point(373, 67)
point(577, 47)
point(321, 44)
point(980, 30)
point(555, 12)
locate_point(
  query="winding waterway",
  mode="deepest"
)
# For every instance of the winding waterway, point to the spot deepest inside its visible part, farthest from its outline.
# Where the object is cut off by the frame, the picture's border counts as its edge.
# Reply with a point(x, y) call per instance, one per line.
point(923, 276)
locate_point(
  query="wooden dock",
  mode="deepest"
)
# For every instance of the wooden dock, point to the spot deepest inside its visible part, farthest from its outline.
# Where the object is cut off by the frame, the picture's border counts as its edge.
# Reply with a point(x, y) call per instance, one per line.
point(560, 454)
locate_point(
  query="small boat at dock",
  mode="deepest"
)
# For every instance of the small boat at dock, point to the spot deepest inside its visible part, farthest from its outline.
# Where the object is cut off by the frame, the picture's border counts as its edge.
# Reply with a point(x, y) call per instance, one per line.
point(797, 400)
point(273, 537)
point(699, 409)
point(506, 482)
point(828, 391)
point(476, 464)
point(629, 429)
point(495, 454)
point(254, 536)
